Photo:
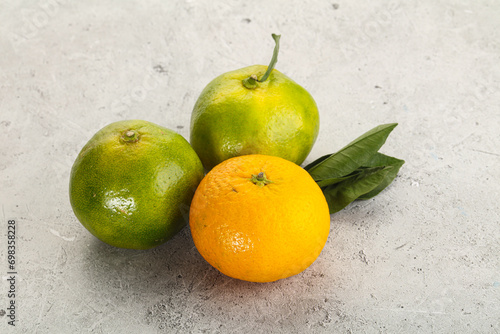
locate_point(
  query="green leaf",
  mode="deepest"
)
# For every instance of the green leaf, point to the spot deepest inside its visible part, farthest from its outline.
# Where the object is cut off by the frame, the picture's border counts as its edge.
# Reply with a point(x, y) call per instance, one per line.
point(339, 195)
point(317, 161)
point(357, 171)
point(328, 182)
point(378, 160)
point(352, 156)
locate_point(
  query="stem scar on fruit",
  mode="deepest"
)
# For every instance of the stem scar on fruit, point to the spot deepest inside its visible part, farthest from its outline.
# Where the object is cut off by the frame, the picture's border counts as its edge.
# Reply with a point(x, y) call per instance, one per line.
point(252, 81)
point(130, 136)
point(260, 179)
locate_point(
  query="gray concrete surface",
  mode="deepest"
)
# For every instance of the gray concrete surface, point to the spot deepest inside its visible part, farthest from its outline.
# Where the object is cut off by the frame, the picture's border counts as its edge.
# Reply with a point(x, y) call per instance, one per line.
point(422, 257)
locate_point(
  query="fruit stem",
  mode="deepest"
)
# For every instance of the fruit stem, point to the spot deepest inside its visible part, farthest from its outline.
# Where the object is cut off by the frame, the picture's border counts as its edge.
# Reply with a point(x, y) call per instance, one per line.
point(251, 81)
point(260, 179)
point(130, 136)
point(274, 59)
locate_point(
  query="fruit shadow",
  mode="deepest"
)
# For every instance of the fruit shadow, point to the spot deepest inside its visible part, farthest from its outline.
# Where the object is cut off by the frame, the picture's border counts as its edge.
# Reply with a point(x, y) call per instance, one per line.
point(172, 286)
point(172, 270)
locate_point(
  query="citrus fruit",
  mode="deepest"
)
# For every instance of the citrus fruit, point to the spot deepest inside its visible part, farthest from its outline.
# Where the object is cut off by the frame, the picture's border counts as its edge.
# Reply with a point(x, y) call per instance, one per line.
point(131, 183)
point(253, 110)
point(259, 218)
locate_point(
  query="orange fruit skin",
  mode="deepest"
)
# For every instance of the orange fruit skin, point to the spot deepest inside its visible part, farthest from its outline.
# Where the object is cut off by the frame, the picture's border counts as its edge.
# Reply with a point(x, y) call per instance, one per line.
point(259, 233)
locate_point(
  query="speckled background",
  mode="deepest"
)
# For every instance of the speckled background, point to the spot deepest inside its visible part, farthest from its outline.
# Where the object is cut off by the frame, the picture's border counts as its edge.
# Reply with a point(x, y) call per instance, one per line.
point(422, 257)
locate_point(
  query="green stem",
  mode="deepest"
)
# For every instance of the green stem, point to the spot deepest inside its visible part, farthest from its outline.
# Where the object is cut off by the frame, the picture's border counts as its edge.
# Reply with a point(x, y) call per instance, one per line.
point(260, 179)
point(274, 59)
point(130, 136)
point(251, 81)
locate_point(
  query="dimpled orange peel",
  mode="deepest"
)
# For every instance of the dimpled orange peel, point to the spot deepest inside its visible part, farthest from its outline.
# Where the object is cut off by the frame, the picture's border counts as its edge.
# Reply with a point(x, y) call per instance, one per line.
point(259, 218)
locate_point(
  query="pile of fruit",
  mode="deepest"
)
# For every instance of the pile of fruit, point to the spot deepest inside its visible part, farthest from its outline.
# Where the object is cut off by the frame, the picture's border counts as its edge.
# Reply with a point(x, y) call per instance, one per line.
point(256, 215)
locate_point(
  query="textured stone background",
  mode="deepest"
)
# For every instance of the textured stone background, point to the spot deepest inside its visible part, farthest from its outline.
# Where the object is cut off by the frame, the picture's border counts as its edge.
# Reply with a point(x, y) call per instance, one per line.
point(422, 257)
